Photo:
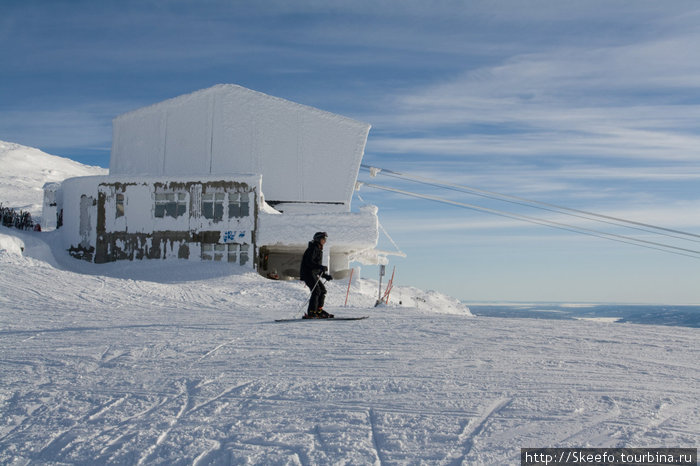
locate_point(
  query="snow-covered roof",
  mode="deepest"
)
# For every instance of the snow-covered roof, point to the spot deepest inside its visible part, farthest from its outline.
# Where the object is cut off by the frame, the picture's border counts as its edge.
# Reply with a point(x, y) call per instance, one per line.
point(251, 179)
point(304, 154)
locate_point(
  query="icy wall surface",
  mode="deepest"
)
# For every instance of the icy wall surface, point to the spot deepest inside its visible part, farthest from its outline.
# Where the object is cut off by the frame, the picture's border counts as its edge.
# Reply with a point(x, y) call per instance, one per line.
point(304, 154)
point(348, 230)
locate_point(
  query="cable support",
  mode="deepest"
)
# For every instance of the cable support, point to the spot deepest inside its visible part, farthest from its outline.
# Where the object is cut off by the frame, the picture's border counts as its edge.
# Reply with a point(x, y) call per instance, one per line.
point(399, 252)
point(562, 226)
point(540, 205)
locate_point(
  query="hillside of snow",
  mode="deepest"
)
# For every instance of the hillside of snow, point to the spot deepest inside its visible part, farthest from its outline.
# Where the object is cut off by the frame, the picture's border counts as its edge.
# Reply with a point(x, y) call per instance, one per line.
point(24, 170)
point(181, 362)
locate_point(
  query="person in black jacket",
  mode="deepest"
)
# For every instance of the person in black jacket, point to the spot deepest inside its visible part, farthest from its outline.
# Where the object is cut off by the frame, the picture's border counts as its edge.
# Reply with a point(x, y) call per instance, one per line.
point(311, 272)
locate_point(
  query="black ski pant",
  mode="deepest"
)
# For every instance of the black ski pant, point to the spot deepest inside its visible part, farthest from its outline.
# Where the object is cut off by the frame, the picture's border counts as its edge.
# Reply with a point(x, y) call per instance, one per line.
point(318, 294)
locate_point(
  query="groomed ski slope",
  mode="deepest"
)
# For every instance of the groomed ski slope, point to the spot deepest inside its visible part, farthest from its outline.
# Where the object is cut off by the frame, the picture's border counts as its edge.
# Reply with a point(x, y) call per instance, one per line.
point(181, 363)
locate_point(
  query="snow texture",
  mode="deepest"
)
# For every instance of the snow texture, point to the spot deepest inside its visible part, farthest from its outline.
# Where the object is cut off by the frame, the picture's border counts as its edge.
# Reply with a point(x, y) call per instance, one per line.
point(25, 170)
point(181, 363)
point(304, 154)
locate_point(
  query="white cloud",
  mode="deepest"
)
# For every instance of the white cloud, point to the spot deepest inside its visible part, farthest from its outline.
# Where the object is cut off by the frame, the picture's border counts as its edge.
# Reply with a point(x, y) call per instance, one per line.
point(639, 101)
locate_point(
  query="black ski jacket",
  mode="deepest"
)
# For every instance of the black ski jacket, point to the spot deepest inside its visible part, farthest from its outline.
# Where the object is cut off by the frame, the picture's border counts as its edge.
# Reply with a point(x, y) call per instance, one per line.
point(311, 263)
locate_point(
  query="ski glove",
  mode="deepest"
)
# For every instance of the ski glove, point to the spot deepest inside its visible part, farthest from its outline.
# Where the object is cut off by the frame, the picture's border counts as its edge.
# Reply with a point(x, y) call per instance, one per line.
point(327, 277)
point(324, 269)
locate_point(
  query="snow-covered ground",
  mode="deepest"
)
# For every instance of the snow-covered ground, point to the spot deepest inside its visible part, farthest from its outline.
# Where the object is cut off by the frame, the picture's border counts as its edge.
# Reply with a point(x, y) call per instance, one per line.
point(182, 363)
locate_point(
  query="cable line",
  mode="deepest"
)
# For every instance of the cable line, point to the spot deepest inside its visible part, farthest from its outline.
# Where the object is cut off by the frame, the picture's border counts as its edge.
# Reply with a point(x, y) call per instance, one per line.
point(537, 204)
point(562, 226)
point(466, 190)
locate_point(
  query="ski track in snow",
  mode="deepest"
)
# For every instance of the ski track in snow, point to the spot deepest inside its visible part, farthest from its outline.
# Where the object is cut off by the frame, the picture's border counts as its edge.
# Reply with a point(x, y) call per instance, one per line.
point(98, 367)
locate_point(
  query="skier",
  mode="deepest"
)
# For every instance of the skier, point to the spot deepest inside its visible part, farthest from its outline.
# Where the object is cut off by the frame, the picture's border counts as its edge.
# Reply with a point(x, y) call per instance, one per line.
point(311, 272)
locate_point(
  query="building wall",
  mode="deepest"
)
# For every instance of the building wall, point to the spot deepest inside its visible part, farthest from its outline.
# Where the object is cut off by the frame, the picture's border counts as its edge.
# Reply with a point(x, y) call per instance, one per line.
point(79, 230)
point(304, 154)
point(108, 218)
point(52, 206)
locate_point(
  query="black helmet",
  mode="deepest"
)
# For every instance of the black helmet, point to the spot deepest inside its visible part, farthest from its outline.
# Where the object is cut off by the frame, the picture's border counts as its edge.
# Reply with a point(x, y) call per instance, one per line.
point(320, 235)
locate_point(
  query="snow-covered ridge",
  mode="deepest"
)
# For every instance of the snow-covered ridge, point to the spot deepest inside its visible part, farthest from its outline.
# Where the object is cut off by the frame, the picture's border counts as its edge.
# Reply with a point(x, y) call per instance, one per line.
point(25, 170)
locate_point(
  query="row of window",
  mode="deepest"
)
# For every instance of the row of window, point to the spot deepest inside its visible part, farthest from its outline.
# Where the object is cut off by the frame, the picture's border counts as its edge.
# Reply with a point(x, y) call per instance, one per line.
point(213, 205)
point(175, 204)
point(232, 252)
point(170, 204)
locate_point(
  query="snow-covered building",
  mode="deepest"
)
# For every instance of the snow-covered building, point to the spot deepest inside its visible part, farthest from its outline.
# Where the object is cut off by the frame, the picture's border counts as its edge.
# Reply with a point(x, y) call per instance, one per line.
point(187, 178)
point(121, 217)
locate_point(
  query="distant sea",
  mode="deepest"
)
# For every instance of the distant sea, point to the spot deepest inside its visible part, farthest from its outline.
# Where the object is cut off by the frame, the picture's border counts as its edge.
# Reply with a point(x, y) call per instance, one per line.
point(683, 316)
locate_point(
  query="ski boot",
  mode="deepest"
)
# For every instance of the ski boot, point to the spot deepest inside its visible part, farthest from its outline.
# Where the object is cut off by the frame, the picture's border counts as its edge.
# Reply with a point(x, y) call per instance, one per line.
point(312, 314)
point(317, 314)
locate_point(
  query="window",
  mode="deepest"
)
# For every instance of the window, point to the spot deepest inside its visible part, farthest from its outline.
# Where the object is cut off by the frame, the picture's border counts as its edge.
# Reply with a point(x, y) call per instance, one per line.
point(238, 253)
point(244, 254)
point(213, 206)
point(232, 252)
point(207, 251)
point(170, 204)
point(213, 252)
point(120, 205)
point(238, 205)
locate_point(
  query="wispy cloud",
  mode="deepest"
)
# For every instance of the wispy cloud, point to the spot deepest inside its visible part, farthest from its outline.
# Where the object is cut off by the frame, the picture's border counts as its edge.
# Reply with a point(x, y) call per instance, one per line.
point(637, 101)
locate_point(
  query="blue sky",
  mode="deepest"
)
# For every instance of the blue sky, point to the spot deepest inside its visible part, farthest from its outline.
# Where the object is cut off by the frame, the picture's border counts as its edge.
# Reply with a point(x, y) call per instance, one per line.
point(592, 105)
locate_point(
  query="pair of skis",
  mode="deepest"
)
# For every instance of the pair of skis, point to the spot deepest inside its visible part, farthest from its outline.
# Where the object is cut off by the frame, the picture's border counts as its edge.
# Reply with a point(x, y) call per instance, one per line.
point(322, 320)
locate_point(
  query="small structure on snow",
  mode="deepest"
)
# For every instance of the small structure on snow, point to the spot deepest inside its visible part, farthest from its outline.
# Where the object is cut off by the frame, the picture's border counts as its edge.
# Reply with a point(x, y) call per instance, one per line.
point(187, 178)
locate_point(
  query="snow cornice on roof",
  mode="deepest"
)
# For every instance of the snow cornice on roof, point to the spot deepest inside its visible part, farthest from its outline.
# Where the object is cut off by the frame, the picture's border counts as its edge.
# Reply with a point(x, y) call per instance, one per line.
point(218, 89)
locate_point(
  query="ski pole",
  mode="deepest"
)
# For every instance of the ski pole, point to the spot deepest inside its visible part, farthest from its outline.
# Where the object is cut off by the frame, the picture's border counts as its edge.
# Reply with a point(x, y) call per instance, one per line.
point(349, 282)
